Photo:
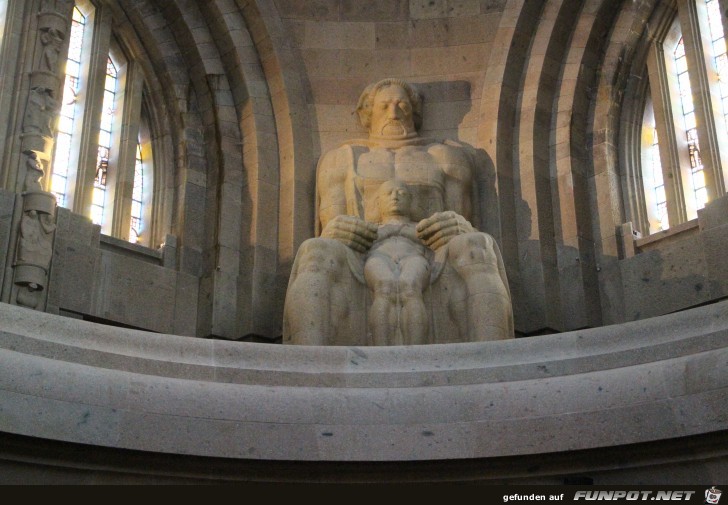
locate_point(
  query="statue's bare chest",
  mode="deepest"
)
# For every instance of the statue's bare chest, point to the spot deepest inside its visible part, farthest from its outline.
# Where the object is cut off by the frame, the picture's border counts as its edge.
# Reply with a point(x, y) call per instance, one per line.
point(417, 167)
point(412, 165)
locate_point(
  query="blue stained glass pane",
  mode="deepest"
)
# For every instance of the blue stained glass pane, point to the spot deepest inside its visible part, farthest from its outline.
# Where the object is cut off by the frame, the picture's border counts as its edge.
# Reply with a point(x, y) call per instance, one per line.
point(110, 68)
point(65, 124)
point(104, 138)
point(719, 45)
point(701, 197)
point(73, 67)
point(98, 197)
point(680, 49)
point(681, 65)
point(97, 214)
point(106, 122)
point(699, 179)
point(108, 102)
point(664, 220)
point(690, 120)
point(684, 83)
point(110, 84)
point(58, 184)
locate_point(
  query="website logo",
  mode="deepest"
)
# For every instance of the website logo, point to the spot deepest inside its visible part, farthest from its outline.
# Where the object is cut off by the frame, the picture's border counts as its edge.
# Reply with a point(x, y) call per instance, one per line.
point(712, 496)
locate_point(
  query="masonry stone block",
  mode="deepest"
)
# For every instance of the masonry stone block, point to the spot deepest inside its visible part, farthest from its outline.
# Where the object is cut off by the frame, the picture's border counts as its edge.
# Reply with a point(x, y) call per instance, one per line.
point(714, 213)
point(135, 293)
point(309, 9)
point(374, 10)
point(392, 35)
point(715, 241)
point(665, 280)
point(425, 9)
point(267, 315)
point(447, 60)
point(185, 305)
point(225, 320)
point(339, 35)
point(76, 264)
point(7, 205)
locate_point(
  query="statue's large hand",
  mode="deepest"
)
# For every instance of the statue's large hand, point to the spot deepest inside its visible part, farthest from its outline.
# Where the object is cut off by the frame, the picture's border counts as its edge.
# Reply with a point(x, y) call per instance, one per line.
point(352, 232)
point(439, 228)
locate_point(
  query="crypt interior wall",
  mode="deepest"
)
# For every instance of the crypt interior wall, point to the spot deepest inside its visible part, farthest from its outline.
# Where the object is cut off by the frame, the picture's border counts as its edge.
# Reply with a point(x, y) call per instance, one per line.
point(241, 99)
point(249, 94)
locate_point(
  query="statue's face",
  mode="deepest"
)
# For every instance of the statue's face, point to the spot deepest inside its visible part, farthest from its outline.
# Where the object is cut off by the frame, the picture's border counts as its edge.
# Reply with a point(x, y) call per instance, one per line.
point(391, 113)
point(394, 199)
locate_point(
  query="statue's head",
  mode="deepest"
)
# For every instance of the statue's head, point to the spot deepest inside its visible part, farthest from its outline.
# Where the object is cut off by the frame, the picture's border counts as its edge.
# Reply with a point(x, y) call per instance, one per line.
point(394, 199)
point(390, 108)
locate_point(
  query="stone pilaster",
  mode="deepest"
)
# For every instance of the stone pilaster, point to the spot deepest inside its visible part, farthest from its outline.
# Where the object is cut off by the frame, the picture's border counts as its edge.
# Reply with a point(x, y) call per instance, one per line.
point(35, 213)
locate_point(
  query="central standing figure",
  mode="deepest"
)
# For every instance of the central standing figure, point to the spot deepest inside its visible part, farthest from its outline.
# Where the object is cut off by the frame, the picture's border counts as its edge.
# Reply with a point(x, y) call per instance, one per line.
point(450, 277)
point(397, 271)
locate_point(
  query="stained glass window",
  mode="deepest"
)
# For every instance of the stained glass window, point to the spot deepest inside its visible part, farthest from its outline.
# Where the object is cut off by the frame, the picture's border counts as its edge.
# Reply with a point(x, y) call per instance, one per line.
point(719, 52)
point(69, 107)
point(104, 150)
point(658, 185)
point(91, 166)
point(655, 183)
point(135, 226)
point(688, 113)
point(3, 9)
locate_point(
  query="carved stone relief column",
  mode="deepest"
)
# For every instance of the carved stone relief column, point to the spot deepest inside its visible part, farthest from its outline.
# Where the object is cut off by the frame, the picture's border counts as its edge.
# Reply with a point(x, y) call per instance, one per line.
point(36, 219)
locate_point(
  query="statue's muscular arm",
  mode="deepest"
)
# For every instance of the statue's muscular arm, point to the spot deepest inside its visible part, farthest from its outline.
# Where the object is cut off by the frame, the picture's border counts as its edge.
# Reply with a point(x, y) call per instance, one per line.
point(335, 222)
point(458, 167)
point(441, 227)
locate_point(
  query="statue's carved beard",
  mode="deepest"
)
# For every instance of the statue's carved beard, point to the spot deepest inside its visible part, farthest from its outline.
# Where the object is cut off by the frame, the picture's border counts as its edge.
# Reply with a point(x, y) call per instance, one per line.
point(393, 128)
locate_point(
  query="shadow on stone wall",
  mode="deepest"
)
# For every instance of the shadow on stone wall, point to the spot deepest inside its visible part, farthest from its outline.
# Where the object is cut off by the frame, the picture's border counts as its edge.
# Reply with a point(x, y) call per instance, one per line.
point(686, 274)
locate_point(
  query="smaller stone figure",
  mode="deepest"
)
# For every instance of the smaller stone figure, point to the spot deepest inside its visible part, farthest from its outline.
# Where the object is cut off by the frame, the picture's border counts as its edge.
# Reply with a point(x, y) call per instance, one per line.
point(36, 229)
point(40, 113)
point(397, 271)
point(52, 40)
point(33, 173)
point(35, 240)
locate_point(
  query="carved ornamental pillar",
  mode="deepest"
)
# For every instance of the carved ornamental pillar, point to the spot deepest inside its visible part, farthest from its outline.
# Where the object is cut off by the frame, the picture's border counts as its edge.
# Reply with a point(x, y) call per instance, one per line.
point(36, 220)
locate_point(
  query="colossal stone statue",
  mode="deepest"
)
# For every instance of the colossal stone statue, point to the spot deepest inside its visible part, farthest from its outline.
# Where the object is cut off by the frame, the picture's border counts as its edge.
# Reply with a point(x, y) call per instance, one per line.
point(397, 261)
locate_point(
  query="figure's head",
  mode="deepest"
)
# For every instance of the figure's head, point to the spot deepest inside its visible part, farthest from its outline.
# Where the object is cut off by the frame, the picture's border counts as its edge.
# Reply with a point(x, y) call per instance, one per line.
point(390, 108)
point(394, 199)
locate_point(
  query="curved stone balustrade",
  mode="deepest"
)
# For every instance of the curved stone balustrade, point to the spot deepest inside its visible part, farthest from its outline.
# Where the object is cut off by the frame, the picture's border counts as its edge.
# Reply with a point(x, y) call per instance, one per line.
point(656, 379)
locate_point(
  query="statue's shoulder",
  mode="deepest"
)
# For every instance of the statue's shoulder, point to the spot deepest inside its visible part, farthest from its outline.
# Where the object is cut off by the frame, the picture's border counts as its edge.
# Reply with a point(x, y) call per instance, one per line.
point(336, 163)
point(452, 150)
point(344, 151)
point(336, 159)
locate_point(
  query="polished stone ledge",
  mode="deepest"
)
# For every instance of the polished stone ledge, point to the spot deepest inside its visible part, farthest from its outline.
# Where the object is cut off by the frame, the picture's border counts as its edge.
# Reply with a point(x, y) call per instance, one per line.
point(655, 379)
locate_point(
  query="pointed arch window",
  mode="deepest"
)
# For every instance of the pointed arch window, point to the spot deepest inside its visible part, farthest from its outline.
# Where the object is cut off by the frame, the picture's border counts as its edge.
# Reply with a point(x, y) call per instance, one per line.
point(3, 11)
point(655, 196)
point(137, 197)
point(62, 159)
point(685, 109)
point(98, 203)
point(720, 57)
point(697, 175)
point(97, 151)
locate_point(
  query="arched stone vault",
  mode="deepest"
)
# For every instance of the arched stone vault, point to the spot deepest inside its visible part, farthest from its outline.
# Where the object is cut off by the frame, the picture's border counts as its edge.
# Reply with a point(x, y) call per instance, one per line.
point(243, 97)
point(226, 171)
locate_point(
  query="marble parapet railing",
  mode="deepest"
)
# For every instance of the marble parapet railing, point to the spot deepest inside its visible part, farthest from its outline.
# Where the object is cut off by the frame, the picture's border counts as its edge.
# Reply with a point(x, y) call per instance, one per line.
point(657, 379)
